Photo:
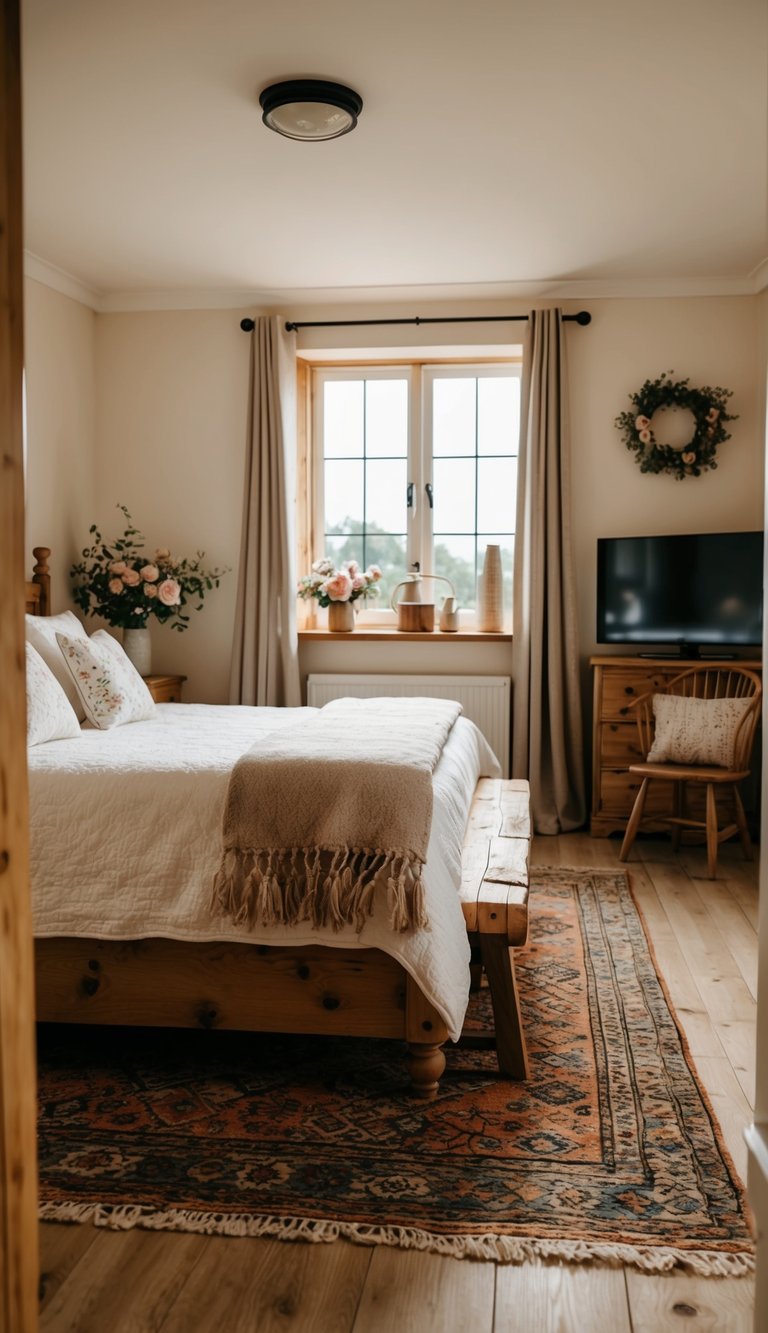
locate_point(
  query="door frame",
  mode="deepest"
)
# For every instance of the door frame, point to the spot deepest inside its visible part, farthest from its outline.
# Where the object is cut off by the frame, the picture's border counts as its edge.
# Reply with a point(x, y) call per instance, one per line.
point(18, 1149)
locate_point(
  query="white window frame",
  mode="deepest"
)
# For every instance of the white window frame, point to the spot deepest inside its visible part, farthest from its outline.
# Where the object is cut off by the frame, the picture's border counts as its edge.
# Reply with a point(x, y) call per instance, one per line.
point(419, 526)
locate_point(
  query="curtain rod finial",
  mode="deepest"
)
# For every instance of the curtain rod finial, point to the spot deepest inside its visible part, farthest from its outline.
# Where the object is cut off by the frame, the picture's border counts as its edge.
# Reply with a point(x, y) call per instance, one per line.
point(247, 325)
point(583, 317)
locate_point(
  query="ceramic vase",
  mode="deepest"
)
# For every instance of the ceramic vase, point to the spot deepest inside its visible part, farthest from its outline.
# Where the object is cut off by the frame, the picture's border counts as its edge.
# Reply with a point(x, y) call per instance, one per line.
point(341, 617)
point(490, 618)
point(137, 646)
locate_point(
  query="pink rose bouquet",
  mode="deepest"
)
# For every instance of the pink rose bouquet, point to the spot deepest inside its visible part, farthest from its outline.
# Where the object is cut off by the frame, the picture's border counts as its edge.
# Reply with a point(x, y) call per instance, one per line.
point(116, 581)
point(347, 583)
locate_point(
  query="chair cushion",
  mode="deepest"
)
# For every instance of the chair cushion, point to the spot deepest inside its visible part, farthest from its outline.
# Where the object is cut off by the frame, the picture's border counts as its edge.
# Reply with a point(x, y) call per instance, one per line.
point(695, 731)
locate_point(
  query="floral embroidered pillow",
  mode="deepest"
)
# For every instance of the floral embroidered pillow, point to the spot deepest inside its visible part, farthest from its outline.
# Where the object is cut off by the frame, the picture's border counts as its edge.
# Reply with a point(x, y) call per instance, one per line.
point(41, 633)
point(695, 731)
point(111, 689)
point(50, 716)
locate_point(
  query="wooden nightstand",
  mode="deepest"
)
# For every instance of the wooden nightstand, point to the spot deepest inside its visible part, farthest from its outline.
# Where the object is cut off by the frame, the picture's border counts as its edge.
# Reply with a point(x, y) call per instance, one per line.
point(165, 689)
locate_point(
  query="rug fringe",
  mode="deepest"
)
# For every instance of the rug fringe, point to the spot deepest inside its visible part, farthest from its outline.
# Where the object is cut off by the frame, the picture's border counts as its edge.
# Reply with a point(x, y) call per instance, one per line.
point(501, 1249)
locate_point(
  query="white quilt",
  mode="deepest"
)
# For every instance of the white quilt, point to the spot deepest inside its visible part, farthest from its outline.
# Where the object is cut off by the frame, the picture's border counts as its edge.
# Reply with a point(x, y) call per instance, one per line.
point(126, 839)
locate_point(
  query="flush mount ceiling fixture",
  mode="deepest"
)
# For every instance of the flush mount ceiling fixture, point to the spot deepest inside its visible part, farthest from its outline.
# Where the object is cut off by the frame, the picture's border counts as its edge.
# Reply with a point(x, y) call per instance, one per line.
point(310, 108)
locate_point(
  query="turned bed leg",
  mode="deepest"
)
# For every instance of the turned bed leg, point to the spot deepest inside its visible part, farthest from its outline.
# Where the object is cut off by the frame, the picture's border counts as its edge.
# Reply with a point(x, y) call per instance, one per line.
point(426, 1063)
point(425, 1032)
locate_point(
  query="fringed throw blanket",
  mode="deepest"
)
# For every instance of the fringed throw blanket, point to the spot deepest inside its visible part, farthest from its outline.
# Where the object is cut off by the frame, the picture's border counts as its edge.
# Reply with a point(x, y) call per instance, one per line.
point(320, 820)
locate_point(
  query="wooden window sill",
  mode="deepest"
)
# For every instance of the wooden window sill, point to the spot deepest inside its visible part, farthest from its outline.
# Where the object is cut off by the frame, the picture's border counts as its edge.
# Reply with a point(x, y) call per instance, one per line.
point(368, 633)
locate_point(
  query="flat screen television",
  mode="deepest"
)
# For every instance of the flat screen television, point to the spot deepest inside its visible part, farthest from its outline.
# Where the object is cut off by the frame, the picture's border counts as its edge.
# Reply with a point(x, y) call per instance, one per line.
point(691, 591)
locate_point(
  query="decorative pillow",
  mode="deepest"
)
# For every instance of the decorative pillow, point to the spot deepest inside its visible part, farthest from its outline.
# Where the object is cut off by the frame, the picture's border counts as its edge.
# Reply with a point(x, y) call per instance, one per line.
point(111, 689)
point(41, 633)
point(49, 714)
point(695, 731)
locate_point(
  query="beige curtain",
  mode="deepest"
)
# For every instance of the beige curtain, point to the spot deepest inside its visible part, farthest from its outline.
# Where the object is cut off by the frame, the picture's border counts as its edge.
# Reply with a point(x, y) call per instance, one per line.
point(265, 664)
point(546, 726)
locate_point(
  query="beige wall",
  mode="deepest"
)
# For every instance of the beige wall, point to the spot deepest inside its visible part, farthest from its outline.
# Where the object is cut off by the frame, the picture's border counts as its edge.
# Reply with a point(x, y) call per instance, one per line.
point(171, 420)
point(711, 341)
point(60, 370)
point(170, 399)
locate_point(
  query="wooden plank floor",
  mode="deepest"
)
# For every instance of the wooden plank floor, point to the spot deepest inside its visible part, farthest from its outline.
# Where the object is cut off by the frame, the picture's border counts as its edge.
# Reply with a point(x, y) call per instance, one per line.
point(704, 935)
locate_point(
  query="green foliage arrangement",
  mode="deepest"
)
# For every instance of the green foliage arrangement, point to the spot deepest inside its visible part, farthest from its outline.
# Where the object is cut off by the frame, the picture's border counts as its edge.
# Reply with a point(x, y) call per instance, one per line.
point(709, 408)
point(125, 587)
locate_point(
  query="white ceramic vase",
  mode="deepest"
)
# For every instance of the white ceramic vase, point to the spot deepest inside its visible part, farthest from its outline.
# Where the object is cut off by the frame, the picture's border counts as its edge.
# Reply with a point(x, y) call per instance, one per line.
point(490, 608)
point(137, 646)
point(341, 617)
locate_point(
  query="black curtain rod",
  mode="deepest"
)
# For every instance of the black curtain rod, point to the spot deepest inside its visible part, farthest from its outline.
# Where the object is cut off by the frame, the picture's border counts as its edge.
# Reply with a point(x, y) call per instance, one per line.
point(247, 325)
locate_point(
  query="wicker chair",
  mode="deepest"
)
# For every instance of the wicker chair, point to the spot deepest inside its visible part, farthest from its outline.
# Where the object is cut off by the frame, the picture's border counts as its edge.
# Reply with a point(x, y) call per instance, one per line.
point(701, 682)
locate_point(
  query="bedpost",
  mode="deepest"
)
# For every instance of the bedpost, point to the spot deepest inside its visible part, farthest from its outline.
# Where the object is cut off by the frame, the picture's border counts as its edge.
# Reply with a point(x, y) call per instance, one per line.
point(41, 575)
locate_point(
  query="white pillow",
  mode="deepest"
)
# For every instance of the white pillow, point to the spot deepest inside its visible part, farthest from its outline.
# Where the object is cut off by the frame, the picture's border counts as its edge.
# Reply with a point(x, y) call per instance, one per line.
point(695, 731)
point(49, 715)
point(41, 633)
point(110, 687)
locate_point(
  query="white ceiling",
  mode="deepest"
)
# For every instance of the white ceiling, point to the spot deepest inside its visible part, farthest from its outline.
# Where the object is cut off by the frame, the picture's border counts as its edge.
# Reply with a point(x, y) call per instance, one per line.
point(569, 144)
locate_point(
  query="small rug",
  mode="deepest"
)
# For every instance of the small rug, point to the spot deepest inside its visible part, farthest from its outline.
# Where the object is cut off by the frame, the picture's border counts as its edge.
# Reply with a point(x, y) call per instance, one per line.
point(609, 1152)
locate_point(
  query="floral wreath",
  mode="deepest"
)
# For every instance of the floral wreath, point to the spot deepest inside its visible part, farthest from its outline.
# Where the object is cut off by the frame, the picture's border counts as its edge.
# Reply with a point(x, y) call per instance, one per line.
point(708, 406)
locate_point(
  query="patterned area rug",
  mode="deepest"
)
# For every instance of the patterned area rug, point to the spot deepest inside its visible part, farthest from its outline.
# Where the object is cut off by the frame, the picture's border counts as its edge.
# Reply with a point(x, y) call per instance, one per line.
point(610, 1152)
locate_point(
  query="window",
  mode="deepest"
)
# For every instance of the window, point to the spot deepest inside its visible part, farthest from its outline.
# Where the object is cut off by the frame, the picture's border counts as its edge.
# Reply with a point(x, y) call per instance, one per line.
point(417, 465)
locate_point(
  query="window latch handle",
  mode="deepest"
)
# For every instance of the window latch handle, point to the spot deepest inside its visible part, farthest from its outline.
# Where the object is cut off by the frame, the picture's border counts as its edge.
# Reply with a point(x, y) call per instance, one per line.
point(409, 495)
point(430, 494)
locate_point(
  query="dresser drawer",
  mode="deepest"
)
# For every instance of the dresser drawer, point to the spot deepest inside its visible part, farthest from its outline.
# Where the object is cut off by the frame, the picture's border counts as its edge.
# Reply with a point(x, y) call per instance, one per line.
point(618, 792)
point(619, 745)
point(622, 686)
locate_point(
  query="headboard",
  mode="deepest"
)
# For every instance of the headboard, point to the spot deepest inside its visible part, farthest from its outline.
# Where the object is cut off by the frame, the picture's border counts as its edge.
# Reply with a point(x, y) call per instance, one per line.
point(38, 591)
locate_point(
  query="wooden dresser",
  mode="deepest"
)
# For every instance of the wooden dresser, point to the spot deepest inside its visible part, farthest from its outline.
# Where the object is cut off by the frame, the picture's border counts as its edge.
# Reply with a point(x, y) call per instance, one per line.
point(615, 740)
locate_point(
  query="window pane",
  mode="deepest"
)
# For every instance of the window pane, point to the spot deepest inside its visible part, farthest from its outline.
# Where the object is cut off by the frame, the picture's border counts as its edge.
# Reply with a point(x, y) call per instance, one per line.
point(453, 416)
point(344, 548)
point(454, 482)
point(498, 415)
point(385, 495)
point(386, 418)
point(496, 494)
point(454, 558)
point(389, 554)
point(343, 496)
point(343, 418)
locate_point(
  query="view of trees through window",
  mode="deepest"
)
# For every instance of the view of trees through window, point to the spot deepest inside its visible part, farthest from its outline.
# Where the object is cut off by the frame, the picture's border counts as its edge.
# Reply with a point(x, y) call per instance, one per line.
point(464, 455)
point(346, 543)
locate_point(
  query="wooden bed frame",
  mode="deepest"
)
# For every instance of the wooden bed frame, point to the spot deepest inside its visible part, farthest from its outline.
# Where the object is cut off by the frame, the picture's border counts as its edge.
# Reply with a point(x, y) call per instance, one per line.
point(318, 989)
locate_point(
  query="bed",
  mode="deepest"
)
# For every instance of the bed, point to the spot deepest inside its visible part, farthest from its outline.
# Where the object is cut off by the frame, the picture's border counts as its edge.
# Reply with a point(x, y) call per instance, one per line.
point(156, 959)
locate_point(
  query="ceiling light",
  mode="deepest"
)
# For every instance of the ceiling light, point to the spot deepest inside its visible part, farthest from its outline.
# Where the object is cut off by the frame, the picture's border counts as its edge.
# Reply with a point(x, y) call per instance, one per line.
point(310, 108)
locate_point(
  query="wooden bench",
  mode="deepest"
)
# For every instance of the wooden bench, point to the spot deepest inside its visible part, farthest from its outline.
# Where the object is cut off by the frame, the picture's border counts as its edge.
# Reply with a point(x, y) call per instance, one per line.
point(494, 898)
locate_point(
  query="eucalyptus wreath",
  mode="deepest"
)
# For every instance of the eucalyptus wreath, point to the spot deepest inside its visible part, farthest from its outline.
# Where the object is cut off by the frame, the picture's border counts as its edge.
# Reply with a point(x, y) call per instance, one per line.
point(709, 408)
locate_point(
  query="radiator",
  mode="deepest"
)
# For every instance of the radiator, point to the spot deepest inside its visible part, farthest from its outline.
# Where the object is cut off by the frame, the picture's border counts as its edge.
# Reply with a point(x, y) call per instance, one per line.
point(485, 699)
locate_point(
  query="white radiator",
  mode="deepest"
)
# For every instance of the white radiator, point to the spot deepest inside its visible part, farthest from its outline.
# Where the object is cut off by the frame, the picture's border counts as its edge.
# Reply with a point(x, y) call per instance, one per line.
point(485, 699)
